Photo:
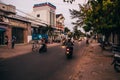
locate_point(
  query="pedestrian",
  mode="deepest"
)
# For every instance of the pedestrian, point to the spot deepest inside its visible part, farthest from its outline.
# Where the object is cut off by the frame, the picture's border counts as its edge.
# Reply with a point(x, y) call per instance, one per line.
point(13, 42)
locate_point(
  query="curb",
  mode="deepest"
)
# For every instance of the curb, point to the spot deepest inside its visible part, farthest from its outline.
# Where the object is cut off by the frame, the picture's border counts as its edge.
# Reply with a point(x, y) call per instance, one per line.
point(13, 52)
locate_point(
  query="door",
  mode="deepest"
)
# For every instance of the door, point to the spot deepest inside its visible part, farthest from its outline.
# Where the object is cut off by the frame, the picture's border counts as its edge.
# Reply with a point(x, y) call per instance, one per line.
point(19, 34)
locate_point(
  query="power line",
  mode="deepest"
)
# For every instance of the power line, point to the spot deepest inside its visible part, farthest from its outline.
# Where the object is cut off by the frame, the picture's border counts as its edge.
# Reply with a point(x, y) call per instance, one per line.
point(35, 18)
point(32, 16)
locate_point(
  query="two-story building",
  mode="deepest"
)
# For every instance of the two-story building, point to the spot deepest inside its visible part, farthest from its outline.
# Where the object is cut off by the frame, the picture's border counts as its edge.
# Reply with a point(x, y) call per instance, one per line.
point(13, 25)
point(4, 22)
point(44, 16)
point(60, 22)
point(60, 26)
point(45, 12)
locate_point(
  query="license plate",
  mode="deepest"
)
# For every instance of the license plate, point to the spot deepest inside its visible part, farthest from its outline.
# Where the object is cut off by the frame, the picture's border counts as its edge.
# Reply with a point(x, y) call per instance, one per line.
point(67, 52)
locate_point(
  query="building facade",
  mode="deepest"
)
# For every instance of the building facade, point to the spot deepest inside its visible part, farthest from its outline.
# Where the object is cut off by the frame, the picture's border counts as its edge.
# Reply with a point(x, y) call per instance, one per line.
point(60, 27)
point(60, 22)
point(45, 12)
point(13, 25)
point(20, 28)
point(44, 18)
point(4, 23)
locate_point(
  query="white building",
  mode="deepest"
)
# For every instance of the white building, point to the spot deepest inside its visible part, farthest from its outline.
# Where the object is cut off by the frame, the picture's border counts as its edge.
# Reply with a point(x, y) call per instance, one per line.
point(60, 22)
point(43, 15)
point(45, 12)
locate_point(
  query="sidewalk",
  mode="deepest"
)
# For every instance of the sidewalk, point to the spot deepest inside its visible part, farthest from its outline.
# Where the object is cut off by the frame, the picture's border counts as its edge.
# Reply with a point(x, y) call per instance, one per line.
point(95, 64)
point(18, 50)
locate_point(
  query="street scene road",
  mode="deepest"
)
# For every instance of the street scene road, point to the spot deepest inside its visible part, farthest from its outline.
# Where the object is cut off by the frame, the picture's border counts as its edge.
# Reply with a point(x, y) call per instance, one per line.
point(51, 65)
point(88, 62)
point(60, 40)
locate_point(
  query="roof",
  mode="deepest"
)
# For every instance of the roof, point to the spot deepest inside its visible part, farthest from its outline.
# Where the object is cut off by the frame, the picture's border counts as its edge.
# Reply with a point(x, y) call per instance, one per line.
point(18, 17)
point(58, 15)
point(44, 4)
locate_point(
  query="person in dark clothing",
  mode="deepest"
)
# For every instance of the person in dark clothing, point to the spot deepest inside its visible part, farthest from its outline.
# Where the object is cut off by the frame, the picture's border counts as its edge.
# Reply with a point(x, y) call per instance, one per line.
point(13, 41)
point(69, 44)
point(44, 46)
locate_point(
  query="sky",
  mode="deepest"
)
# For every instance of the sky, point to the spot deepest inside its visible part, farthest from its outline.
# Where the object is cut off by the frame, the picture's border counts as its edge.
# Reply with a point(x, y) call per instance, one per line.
point(61, 7)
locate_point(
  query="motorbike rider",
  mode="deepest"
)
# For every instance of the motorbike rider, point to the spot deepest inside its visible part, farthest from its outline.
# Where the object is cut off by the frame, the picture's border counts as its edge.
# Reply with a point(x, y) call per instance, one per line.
point(69, 44)
point(44, 46)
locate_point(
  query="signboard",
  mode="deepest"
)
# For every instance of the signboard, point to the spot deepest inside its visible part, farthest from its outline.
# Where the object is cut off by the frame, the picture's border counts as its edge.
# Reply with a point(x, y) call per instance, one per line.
point(39, 36)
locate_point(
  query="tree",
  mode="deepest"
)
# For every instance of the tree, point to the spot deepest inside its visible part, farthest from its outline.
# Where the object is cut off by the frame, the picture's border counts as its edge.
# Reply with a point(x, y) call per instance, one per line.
point(80, 15)
point(77, 33)
point(100, 16)
point(66, 30)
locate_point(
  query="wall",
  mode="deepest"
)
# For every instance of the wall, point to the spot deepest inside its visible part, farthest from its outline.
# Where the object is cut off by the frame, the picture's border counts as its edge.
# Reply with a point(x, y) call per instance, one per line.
point(45, 13)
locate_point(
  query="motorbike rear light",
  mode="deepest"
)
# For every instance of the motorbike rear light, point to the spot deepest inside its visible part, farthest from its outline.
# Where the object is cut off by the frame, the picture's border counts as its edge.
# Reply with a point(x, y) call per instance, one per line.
point(67, 49)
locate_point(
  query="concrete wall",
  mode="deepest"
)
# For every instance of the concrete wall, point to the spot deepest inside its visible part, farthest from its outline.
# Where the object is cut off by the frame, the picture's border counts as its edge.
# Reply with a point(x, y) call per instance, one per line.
point(45, 12)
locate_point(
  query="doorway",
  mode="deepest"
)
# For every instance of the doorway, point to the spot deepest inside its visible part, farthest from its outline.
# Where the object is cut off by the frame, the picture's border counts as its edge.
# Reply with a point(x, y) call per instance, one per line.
point(19, 34)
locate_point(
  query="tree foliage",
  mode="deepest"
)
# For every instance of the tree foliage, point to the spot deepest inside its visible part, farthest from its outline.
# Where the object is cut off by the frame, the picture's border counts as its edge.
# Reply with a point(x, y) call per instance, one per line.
point(100, 16)
point(66, 30)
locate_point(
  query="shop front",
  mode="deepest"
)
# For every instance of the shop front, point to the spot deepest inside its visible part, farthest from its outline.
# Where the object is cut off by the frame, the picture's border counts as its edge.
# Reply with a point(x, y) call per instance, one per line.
point(19, 34)
point(19, 28)
point(2, 34)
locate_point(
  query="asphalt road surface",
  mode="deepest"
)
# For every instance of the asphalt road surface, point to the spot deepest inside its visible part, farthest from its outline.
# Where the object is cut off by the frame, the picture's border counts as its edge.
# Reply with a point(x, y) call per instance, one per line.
point(52, 65)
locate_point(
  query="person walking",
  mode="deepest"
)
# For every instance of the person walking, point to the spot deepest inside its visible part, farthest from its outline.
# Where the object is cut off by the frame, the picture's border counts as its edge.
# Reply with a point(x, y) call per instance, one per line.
point(13, 42)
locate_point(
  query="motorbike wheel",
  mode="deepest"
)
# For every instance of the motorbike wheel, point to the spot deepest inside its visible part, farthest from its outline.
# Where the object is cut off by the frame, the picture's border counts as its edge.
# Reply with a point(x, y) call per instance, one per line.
point(69, 56)
point(117, 68)
point(40, 50)
point(45, 50)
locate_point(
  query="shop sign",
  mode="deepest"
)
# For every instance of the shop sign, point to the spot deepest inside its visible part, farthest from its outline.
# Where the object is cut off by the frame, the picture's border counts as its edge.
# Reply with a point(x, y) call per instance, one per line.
point(18, 24)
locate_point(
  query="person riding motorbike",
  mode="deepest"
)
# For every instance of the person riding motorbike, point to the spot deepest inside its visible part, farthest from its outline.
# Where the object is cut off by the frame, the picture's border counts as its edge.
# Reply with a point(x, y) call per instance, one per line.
point(44, 46)
point(69, 44)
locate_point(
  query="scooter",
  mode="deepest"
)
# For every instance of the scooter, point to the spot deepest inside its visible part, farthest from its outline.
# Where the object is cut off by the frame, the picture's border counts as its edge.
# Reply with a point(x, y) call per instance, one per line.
point(116, 60)
point(43, 48)
point(69, 52)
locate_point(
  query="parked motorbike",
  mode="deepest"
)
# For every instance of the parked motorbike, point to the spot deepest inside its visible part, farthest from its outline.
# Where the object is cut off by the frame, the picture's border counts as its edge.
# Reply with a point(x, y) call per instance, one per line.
point(69, 52)
point(116, 60)
point(43, 48)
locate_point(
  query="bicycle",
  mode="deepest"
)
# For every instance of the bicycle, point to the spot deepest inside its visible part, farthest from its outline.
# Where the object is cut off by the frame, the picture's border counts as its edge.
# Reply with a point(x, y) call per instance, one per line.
point(35, 46)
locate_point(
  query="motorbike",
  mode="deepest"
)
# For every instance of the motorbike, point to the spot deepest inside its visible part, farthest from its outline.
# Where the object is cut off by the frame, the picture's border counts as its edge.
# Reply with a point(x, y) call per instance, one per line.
point(69, 52)
point(43, 48)
point(116, 60)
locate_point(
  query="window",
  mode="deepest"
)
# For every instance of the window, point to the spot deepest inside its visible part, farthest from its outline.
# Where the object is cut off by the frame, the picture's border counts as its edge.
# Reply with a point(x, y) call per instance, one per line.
point(38, 15)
